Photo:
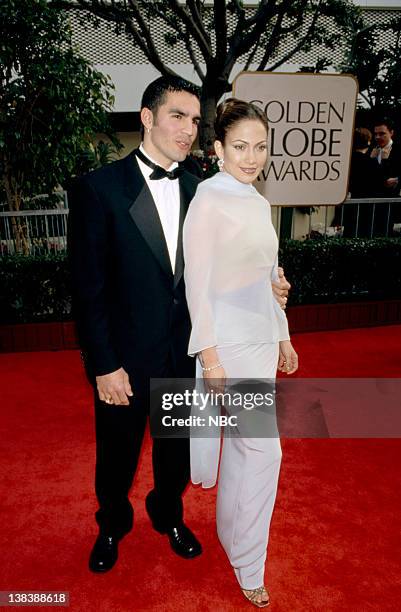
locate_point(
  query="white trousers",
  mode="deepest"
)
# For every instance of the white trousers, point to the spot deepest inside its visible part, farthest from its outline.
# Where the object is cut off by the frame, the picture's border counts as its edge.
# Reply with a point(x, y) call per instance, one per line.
point(248, 475)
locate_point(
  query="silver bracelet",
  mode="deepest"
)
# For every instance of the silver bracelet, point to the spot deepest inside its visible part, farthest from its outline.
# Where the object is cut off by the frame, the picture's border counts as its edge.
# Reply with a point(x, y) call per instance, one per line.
point(218, 365)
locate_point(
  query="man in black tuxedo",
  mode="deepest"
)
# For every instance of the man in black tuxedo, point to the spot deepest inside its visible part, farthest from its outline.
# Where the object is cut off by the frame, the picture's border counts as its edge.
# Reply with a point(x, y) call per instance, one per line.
point(125, 246)
point(388, 155)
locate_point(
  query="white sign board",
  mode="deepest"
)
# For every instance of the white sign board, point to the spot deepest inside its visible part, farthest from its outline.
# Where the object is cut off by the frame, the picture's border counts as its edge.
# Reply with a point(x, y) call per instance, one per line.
point(311, 119)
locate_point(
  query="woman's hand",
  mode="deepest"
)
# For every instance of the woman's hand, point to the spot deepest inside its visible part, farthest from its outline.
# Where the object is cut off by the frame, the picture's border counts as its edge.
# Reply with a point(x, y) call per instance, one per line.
point(214, 377)
point(288, 358)
point(215, 380)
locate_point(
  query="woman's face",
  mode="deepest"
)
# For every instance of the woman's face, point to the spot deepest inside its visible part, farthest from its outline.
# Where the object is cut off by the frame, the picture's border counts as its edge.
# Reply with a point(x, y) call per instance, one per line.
point(245, 150)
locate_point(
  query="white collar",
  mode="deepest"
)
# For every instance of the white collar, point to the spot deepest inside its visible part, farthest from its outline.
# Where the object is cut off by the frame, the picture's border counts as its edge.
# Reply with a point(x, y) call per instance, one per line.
point(387, 146)
point(146, 170)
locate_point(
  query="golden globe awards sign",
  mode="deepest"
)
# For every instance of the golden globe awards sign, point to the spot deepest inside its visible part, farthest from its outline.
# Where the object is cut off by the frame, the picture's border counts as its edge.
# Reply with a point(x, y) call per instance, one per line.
point(311, 118)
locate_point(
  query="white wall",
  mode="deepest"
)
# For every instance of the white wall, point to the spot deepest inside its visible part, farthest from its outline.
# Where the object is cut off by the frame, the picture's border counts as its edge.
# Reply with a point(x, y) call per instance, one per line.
point(379, 3)
point(131, 80)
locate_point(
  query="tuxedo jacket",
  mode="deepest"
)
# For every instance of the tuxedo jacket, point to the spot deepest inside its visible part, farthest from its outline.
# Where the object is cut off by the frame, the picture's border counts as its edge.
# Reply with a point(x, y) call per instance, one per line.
point(392, 165)
point(390, 168)
point(130, 308)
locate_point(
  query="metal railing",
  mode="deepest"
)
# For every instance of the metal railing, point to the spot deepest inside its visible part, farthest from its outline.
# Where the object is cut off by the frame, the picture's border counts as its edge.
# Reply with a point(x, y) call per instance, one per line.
point(33, 232)
point(355, 218)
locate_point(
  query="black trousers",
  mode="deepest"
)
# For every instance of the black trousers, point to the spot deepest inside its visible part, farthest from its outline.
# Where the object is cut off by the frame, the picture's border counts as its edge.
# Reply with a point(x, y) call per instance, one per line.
point(119, 436)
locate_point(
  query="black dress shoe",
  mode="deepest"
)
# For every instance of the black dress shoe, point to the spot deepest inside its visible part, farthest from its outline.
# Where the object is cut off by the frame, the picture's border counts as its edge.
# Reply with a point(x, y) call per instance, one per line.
point(183, 542)
point(104, 553)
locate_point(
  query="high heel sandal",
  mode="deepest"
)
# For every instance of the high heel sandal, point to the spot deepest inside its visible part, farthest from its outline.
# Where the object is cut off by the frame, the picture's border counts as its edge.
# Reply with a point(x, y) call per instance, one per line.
point(252, 595)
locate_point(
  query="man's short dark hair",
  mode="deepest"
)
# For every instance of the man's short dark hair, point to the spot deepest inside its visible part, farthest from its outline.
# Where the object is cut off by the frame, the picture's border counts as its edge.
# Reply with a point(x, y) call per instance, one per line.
point(156, 92)
point(389, 123)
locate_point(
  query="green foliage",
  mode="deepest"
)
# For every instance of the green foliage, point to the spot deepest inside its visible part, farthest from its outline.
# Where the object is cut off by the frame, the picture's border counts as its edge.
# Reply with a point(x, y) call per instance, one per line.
point(342, 269)
point(34, 288)
point(208, 162)
point(320, 271)
point(52, 101)
point(378, 70)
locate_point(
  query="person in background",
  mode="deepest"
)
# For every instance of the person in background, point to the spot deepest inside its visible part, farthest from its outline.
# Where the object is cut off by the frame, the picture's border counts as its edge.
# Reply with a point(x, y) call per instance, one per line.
point(388, 155)
point(365, 181)
point(366, 175)
point(387, 152)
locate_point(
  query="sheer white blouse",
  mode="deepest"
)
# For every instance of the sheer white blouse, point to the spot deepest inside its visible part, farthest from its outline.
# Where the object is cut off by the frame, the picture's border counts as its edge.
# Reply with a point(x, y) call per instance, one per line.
point(230, 253)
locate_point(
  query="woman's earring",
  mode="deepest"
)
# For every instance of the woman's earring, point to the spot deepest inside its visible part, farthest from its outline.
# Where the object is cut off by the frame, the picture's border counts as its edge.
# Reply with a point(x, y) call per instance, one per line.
point(220, 164)
point(148, 130)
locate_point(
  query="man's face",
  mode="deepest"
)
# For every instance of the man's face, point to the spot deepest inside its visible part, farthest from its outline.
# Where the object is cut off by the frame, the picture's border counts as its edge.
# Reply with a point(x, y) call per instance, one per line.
point(383, 135)
point(174, 128)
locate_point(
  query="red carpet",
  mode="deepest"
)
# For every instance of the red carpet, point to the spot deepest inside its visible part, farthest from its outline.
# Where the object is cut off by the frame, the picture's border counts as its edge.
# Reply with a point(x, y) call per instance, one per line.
point(335, 539)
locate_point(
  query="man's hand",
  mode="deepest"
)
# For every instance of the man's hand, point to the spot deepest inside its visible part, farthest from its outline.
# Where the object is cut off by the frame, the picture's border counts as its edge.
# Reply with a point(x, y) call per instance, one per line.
point(391, 182)
point(114, 388)
point(281, 289)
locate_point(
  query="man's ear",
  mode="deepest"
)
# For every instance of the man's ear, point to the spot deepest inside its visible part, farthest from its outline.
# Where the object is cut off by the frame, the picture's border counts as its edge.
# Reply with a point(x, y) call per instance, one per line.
point(147, 118)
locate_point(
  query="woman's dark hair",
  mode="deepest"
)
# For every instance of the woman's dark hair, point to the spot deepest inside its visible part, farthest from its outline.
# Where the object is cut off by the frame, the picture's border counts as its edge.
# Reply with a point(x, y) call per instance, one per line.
point(362, 138)
point(231, 111)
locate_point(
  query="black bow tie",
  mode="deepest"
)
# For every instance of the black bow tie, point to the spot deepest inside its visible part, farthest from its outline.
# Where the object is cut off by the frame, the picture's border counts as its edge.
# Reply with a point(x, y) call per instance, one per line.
point(159, 172)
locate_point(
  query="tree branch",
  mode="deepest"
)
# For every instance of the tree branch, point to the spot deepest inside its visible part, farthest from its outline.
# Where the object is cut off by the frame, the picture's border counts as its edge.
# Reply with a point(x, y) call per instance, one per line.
point(193, 6)
point(191, 53)
point(265, 7)
point(301, 43)
point(251, 56)
point(220, 27)
point(274, 36)
point(134, 25)
point(278, 31)
point(197, 30)
point(266, 11)
point(149, 49)
point(185, 36)
point(240, 42)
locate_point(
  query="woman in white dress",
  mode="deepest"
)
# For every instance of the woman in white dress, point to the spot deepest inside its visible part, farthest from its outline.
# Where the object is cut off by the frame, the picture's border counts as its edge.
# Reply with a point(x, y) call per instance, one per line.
point(238, 332)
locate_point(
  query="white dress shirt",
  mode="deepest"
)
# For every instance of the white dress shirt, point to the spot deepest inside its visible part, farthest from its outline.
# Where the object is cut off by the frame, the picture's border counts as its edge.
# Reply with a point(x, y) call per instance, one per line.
point(166, 195)
point(383, 152)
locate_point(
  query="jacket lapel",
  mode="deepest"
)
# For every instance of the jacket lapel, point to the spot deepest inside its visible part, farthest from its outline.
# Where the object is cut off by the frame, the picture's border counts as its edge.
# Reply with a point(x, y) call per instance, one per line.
point(186, 195)
point(144, 213)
